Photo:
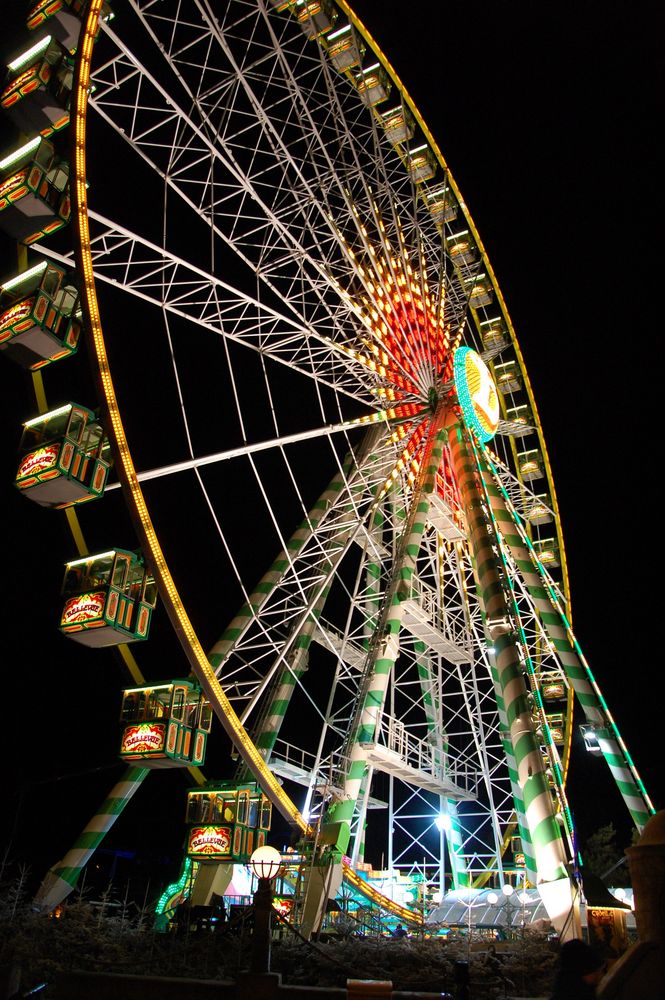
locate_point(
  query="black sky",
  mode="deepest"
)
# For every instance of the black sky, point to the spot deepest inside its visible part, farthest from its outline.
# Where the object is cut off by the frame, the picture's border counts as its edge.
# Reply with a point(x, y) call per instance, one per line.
point(546, 114)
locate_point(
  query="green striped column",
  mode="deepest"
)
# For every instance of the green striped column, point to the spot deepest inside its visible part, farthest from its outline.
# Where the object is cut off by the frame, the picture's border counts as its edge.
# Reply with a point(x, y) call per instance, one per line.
point(62, 878)
point(224, 647)
point(373, 568)
point(559, 632)
point(511, 763)
point(267, 731)
point(371, 611)
point(546, 839)
point(269, 728)
point(455, 839)
point(358, 852)
point(386, 648)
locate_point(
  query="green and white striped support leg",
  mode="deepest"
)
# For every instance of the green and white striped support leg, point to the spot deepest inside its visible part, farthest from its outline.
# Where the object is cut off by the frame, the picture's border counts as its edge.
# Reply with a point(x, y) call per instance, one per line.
point(281, 698)
point(429, 696)
point(458, 862)
point(62, 878)
point(574, 665)
point(548, 844)
point(234, 632)
point(269, 728)
point(388, 629)
point(539, 592)
point(358, 850)
point(372, 604)
point(639, 805)
point(511, 763)
point(371, 610)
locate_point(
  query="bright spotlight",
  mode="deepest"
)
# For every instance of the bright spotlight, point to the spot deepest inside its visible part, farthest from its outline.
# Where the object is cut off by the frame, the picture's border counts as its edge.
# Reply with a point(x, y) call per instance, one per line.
point(443, 822)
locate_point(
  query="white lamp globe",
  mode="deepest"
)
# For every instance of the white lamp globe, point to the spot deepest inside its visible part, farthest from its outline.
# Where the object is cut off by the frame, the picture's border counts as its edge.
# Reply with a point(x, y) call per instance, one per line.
point(492, 898)
point(507, 889)
point(265, 862)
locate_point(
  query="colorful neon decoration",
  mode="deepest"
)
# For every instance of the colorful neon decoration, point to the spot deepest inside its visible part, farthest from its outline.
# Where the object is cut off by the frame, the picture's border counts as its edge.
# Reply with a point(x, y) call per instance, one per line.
point(476, 394)
point(38, 461)
point(83, 608)
point(146, 738)
point(209, 841)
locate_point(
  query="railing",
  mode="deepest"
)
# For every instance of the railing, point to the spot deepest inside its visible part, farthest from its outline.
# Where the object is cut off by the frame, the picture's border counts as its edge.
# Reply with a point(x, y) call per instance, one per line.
point(422, 756)
point(451, 624)
point(393, 734)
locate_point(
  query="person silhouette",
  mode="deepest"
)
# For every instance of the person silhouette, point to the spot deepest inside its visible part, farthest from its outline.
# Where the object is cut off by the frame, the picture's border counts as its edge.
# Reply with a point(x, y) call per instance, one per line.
point(580, 969)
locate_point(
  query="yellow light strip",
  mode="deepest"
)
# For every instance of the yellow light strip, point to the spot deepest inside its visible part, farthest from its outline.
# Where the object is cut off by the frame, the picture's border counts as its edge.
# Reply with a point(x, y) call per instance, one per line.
point(124, 465)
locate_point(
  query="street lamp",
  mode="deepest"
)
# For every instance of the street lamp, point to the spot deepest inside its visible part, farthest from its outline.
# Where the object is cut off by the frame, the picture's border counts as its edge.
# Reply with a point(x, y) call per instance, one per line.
point(265, 863)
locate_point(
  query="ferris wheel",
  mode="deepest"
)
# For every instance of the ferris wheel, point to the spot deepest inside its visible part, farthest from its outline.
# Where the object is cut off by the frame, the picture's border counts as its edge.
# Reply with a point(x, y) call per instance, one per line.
point(325, 433)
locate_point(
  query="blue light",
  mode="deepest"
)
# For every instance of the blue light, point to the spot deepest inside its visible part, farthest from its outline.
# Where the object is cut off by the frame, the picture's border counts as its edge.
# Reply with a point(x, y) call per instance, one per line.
point(469, 407)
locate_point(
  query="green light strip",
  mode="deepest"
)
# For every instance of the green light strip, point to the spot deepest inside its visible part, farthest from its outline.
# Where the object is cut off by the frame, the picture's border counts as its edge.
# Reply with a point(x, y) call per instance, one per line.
point(549, 742)
point(556, 603)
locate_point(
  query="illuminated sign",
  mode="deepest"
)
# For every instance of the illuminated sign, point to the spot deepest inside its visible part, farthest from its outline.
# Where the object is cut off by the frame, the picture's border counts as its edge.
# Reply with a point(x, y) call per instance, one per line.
point(84, 608)
point(16, 313)
point(145, 738)
point(38, 461)
point(209, 840)
point(476, 393)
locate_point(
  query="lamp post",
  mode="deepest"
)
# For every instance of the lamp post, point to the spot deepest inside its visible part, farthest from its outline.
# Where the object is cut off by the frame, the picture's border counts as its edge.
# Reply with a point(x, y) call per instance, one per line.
point(508, 892)
point(265, 863)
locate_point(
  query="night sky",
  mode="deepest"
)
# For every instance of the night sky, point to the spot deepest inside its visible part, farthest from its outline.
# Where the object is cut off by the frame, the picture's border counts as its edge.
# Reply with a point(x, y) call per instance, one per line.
point(546, 115)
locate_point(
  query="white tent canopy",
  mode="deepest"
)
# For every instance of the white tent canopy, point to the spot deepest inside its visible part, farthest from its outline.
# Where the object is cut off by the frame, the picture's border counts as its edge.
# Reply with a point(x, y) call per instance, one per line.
point(491, 908)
